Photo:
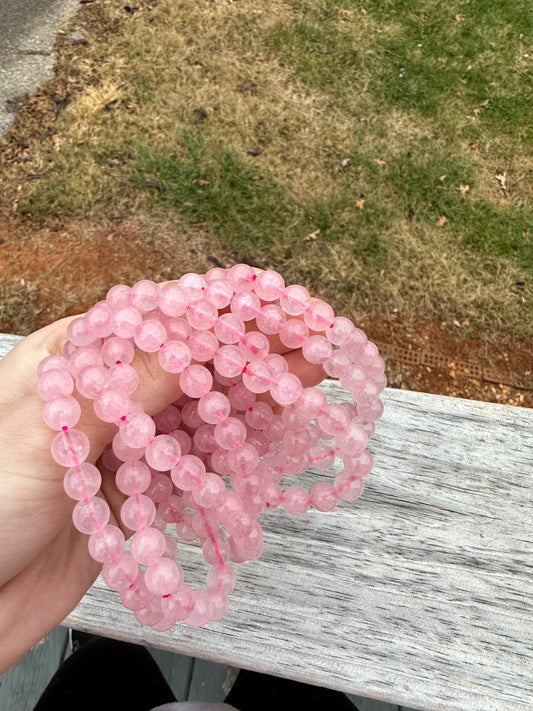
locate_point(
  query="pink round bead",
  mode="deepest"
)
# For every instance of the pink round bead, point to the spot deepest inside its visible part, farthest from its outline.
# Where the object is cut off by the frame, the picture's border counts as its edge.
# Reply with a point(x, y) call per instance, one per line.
point(319, 316)
point(195, 286)
point(201, 612)
point(111, 405)
point(294, 333)
point(137, 596)
point(221, 577)
point(168, 419)
point(324, 496)
point(287, 389)
point(120, 574)
point(259, 415)
point(316, 350)
point(61, 412)
point(173, 300)
point(229, 361)
point(230, 434)
point(240, 397)
point(144, 295)
point(241, 277)
point(337, 364)
point(310, 403)
point(245, 305)
point(244, 459)
point(174, 357)
point(78, 334)
point(229, 328)
point(220, 293)
point(196, 381)
point(82, 481)
point(118, 296)
point(83, 357)
point(133, 477)
point(122, 377)
point(54, 382)
point(163, 577)
point(257, 377)
point(269, 285)
point(126, 322)
point(348, 486)
point(334, 419)
point(147, 546)
point(107, 544)
point(295, 500)
point(98, 320)
point(203, 345)
point(353, 379)
point(91, 381)
point(137, 512)
point(53, 362)
point(202, 314)
point(270, 319)
point(117, 350)
point(138, 431)
point(188, 472)
point(341, 332)
point(214, 407)
point(150, 336)
point(211, 492)
point(91, 515)
point(163, 453)
point(295, 300)
point(353, 439)
point(178, 329)
point(70, 448)
point(355, 345)
point(254, 346)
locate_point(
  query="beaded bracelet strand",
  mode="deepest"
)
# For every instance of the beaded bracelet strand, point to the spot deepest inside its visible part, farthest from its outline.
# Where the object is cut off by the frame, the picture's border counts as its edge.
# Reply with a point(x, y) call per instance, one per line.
point(206, 467)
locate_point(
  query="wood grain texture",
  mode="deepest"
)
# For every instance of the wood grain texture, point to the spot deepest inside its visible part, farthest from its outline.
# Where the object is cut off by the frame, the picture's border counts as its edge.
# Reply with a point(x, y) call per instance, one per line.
point(418, 594)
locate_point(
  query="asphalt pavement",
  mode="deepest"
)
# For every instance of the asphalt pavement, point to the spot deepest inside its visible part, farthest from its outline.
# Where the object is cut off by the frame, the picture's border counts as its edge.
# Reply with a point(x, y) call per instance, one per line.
point(27, 32)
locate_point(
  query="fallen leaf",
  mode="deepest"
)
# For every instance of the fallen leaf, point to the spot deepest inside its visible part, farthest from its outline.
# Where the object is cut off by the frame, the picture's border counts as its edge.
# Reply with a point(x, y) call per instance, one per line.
point(58, 141)
point(204, 182)
point(344, 162)
point(443, 177)
point(359, 203)
point(475, 145)
point(459, 18)
point(312, 235)
point(380, 162)
point(464, 189)
point(441, 221)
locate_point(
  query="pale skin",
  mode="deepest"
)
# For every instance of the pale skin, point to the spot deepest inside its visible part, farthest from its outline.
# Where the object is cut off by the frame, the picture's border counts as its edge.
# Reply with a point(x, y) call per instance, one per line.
point(45, 567)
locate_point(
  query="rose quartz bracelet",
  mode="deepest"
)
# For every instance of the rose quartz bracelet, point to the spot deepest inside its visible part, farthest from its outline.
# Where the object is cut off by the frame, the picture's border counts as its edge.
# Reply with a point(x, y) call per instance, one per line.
point(210, 463)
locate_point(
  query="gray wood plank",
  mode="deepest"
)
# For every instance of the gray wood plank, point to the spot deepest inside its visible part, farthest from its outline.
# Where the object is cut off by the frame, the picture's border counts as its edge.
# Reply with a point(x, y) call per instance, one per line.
point(177, 670)
point(419, 594)
point(22, 685)
point(211, 681)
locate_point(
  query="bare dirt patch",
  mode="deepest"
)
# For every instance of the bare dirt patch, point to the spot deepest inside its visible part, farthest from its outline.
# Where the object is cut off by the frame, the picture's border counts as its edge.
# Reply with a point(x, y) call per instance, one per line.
point(62, 269)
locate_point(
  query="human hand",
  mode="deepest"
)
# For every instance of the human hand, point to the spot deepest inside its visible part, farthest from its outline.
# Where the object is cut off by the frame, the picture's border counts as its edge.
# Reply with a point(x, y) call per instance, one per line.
point(45, 566)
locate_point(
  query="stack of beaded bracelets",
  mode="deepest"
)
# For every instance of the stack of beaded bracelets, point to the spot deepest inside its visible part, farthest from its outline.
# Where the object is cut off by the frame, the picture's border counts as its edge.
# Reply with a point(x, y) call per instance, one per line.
point(210, 463)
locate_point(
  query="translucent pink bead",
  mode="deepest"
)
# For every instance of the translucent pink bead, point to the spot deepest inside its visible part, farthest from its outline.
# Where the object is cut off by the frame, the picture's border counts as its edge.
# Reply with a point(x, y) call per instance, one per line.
point(316, 350)
point(123, 452)
point(203, 345)
point(270, 319)
point(107, 544)
point(370, 412)
point(122, 377)
point(163, 577)
point(201, 612)
point(173, 300)
point(241, 277)
point(215, 274)
point(204, 439)
point(194, 284)
point(324, 496)
point(295, 500)
point(367, 394)
point(355, 345)
point(150, 336)
point(144, 295)
point(220, 293)
point(229, 361)
point(368, 355)
point(240, 397)
point(121, 573)
point(179, 603)
point(321, 456)
point(319, 316)
point(341, 332)
point(55, 382)
point(310, 403)
point(178, 329)
point(147, 546)
point(174, 357)
point(137, 596)
point(229, 328)
point(53, 362)
point(257, 377)
point(259, 415)
point(133, 477)
point(348, 486)
point(117, 350)
point(274, 431)
point(295, 300)
point(83, 357)
point(196, 381)
point(215, 549)
point(337, 364)
point(202, 314)
point(190, 415)
point(126, 322)
point(163, 453)
point(269, 285)
point(222, 577)
point(91, 515)
point(172, 510)
point(211, 492)
point(231, 508)
point(335, 418)
point(168, 419)
point(254, 346)
point(138, 431)
point(137, 512)
point(78, 334)
point(111, 405)
point(287, 389)
point(91, 381)
point(245, 305)
point(152, 614)
point(118, 296)
point(183, 439)
point(98, 320)
point(244, 459)
point(214, 407)
point(230, 434)
point(273, 495)
point(61, 412)
point(360, 464)
point(353, 379)
point(188, 472)
point(353, 439)
point(82, 481)
point(294, 333)
point(70, 448)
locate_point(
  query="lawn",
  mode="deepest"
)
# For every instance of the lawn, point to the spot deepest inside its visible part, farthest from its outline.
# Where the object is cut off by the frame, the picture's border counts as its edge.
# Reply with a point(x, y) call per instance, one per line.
point(378, 151)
